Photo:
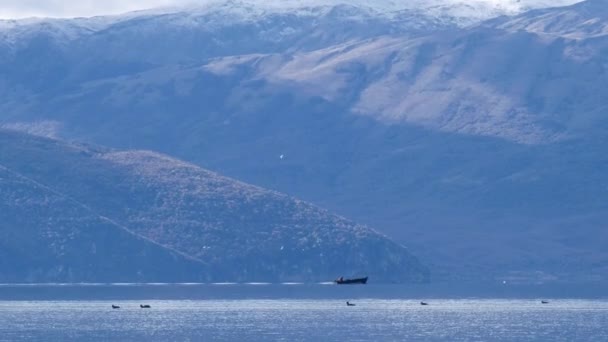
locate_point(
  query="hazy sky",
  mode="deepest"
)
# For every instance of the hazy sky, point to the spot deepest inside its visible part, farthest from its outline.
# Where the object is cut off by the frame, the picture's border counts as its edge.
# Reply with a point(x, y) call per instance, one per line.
point(71, 8)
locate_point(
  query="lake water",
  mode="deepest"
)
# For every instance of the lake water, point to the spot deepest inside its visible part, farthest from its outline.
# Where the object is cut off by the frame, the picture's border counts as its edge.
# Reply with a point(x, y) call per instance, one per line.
point(276, 317)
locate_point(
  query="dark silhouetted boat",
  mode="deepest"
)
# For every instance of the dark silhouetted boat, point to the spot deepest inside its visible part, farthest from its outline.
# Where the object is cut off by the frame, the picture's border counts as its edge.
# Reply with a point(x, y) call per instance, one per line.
point(144, 306)
point(342, 281)
point(544, 302)
point(350, 304)
point(423, 303)
point(115, 306)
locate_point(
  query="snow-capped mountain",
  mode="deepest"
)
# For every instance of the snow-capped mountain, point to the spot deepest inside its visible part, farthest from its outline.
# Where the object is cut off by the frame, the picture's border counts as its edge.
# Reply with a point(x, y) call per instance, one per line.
point(219, 28)
point(466, 11)
point(460, 12)
point(479, 146)
point(513, 78)
point(588, 21)
point(192, 34)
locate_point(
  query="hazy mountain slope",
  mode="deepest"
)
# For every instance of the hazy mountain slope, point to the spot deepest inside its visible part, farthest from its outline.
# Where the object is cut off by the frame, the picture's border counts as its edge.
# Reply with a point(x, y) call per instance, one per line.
point(503, 201)
point(511, 207)
point(51, 57)
point(191, 34)
point(220, 28)
point(47, 236)
point(79, 202)
point(482, 148)
point(467, 82)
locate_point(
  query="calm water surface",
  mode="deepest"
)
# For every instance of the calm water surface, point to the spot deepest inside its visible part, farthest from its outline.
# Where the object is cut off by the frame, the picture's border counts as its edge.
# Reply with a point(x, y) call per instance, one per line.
point(305, 320)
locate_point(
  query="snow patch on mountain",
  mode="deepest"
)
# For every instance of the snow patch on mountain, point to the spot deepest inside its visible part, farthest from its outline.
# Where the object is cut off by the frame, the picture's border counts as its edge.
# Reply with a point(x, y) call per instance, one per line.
point(463, 12)
point(43, 128)
point(385, 6)
point(588, 20)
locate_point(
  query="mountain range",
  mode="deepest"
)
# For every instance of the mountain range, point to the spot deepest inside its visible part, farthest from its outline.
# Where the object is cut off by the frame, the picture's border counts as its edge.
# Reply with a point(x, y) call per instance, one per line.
point(476, 141)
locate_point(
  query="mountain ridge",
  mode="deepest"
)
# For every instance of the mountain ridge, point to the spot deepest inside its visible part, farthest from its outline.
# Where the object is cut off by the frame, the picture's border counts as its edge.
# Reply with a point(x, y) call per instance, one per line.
point(477, 9)
point(228, 230)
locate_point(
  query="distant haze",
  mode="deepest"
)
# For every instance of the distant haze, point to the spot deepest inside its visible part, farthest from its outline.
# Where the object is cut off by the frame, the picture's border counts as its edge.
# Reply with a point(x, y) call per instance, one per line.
point(77, 8)
point(14, 9)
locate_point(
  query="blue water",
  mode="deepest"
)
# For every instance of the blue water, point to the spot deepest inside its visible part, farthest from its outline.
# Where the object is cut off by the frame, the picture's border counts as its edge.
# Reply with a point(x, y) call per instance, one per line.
point(316, 319)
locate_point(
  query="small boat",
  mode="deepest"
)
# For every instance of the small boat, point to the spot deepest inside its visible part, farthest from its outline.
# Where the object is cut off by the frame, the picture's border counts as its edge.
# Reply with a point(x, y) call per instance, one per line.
point(424, 303)
point(115, 306)
point(342, 281)
point(350, 304)
point(544, 302)
point(144, 306)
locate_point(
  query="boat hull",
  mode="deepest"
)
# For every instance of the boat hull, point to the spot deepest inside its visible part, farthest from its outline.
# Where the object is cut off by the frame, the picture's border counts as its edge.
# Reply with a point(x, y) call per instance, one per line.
point(355, 281)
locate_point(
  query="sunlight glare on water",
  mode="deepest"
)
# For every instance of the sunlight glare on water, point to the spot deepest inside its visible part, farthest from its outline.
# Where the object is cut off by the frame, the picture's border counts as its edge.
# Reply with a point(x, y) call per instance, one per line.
point(300, 320)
